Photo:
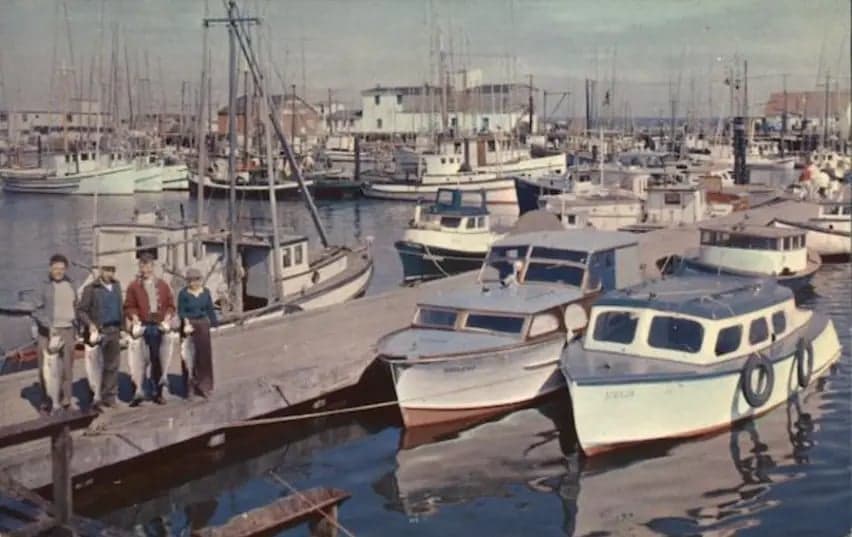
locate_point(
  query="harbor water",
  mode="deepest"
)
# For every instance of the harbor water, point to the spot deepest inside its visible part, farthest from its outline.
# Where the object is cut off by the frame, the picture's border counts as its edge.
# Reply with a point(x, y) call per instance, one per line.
point(786, 473)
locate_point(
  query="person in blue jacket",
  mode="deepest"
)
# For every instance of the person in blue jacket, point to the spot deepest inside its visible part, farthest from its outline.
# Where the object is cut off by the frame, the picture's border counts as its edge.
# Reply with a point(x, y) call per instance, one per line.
point(197, 315)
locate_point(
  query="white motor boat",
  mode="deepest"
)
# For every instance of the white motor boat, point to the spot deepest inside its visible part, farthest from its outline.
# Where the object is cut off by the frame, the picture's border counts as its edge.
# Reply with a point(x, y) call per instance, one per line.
point(448, 237)
point(689, 355)
point(495, 345)
point(84, 173)
point(829, 233)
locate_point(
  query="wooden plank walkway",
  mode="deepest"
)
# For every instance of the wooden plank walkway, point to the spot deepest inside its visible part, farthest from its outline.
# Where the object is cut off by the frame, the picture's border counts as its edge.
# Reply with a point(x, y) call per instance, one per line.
point(270, 366)
point(259, 369)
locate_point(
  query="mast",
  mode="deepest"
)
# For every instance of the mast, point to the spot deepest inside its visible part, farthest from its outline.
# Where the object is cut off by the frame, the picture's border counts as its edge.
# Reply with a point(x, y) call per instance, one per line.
point(784, 118)
point(279, 132)
point(273, 201)
point(130, 123)
point(825, 111)
point(201, 168)
point(233, 270)
point(246, 120)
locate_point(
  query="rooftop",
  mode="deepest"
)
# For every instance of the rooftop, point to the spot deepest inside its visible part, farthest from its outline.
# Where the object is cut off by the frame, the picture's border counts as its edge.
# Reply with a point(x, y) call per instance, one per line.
point(521, 299)
point(585, 240)
point(708, 296)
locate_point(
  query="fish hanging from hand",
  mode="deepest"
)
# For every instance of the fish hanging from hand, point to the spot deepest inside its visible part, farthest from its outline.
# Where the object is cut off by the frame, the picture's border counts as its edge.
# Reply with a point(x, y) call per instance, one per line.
point(94, 360)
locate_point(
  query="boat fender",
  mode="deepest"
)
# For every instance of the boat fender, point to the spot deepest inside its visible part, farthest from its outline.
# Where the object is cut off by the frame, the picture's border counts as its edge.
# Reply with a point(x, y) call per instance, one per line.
point(315, 277)
point(757, 363)
point(804, 362)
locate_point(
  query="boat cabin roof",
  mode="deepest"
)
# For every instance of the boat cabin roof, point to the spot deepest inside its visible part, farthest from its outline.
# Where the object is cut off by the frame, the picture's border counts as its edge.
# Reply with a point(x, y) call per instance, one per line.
point(518, 299)
point(584, 240)
point(143, 226)
point(459, 203)
point(705, 296)
point(265, 239)
point(764, 232)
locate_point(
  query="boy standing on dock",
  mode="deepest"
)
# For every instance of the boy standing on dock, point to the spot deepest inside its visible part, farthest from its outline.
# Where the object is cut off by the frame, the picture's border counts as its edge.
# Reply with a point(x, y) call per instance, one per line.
point(55, 317)
point(99, 311)
point(149, 301)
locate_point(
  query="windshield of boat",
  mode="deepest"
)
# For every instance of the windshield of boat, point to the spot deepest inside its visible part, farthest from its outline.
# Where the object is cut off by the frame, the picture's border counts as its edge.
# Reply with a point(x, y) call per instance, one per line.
point(539, 271)
point(500, 262)
point(433, 317)
point(675, 333)
point(505, 324)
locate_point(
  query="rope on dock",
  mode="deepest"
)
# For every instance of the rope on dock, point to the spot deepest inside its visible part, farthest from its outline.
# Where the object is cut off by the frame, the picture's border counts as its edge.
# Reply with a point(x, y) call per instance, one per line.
point(305, 499)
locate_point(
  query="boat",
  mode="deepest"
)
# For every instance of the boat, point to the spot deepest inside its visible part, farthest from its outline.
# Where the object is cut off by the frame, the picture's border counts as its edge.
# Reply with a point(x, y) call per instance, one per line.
point(829, 234)
point(148, 174)
point(689, 355)
point(576, 181)
point(175, 175)
point(419, 175)
point(494, 345)
point(755, 251)
point(284, 189)
point(81, 173)
point(448, 237)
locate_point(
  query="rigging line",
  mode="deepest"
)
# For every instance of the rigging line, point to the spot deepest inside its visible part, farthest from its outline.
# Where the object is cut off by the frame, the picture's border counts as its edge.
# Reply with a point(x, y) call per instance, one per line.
point(274, 475)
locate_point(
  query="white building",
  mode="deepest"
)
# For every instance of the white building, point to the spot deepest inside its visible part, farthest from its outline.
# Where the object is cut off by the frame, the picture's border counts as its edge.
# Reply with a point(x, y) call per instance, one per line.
point(470, 108)
point(21, 124)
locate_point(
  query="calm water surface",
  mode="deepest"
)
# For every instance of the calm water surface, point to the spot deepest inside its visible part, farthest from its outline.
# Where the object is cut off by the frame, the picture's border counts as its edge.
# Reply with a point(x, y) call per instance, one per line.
point(787, 473)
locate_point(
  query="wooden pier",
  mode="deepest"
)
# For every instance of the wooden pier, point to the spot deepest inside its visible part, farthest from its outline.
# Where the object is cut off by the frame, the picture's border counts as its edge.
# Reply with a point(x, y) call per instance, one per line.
point(271, 366)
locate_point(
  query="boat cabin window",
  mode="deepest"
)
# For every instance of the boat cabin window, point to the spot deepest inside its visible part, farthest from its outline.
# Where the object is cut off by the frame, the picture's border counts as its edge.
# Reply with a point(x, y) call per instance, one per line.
point(286, 259)
point(492, 146)
point(728, 339)
point(297, 255)
point(141, 242)
point(555, 273)
point(495, 323)
point(671, 198)
point(758, 332)
point(84, 156)
point(450, 221)
point(560, 255)
point(779, 322)
point(480, 221)
point(436, 317)
point(571, 218)
point(616, 327)
point(544, 323)
point(746, 242)
point(503, 258)
point(676, 334)
point(471, 223)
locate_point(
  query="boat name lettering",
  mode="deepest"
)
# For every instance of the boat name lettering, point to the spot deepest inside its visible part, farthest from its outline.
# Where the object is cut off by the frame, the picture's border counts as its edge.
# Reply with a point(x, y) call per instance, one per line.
point(459, 368)
point(619, 394)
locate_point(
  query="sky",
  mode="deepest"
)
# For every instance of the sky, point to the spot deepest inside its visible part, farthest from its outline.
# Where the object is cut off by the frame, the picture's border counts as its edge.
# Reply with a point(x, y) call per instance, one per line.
point(655, 50)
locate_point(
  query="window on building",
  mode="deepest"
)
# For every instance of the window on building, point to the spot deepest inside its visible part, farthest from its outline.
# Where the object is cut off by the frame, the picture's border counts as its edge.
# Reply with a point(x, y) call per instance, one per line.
point(492, 146)
point(379, 123)
point(24, 117)
point(779, 322)
point(286, 259)
point(485, 123)
point(141, 242)
point(3, 116)
point(399, 100)
point(376, 99)
point(758, 332)
point(69, 118)
point(454, 122)
point(728, 339)
point(297, 255)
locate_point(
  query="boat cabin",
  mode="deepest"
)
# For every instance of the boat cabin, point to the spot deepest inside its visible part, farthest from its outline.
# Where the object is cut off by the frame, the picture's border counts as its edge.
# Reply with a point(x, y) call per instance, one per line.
point(835, 215)
point(606, 212)
point(454, 210)
point(754, 249)
point(695, 320)
point(674, 204)
point(585, 259)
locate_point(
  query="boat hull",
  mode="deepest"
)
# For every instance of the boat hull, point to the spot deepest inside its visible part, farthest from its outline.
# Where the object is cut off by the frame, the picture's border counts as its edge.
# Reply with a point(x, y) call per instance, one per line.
point(794, 281)
point(148, 180)
point(460, 387)
point(612, 415)
point(111, 181)
point(423, 262)
point(528, 192)
point(175, 177)
point(287, 190)
point(832, 245)
point(500, 191)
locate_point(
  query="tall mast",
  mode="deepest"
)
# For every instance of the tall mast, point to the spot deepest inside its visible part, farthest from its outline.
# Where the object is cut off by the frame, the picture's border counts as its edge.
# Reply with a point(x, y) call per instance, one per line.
point(233, 270)
point(825, 111)
point(270, 176)
point(246, 115)
point(784, 118)
point(130, 123)
point(279, 132)
point(201, 169)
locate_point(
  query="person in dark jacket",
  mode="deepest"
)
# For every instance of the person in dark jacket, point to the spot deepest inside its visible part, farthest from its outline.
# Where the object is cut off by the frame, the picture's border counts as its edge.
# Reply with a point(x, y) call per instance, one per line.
point(100, 310)
point(149, 301)
point(197, 315)
point(55, 316)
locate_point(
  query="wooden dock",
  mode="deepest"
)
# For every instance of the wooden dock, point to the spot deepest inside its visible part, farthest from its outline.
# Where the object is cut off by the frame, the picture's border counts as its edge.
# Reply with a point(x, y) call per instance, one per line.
point(271, 366)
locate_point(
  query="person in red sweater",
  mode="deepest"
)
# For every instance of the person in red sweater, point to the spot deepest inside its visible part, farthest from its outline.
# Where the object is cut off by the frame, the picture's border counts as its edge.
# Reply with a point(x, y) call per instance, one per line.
point(149, 301)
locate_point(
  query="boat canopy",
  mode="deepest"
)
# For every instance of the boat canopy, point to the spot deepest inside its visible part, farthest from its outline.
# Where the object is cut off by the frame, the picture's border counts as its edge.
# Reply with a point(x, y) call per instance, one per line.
point(459, 203)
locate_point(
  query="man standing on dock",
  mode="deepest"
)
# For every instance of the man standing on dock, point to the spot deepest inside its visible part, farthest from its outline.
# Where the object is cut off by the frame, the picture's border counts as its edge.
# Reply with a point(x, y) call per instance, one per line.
point(149, 301)
point(55, 316)
point(100, 312)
